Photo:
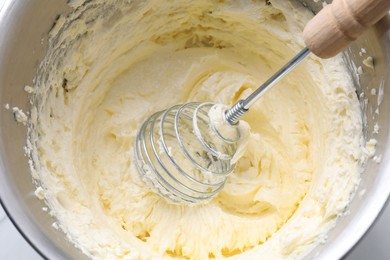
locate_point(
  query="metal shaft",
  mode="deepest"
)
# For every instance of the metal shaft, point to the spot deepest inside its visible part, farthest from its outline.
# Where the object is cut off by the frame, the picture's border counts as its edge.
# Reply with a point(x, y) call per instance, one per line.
point(242, 106)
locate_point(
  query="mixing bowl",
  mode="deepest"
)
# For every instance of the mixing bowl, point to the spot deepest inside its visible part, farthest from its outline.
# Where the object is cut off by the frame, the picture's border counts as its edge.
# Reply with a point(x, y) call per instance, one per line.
point(24, 27)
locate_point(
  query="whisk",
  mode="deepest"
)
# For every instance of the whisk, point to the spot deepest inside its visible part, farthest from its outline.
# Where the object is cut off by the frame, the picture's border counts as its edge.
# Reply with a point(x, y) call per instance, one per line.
point(186, 157)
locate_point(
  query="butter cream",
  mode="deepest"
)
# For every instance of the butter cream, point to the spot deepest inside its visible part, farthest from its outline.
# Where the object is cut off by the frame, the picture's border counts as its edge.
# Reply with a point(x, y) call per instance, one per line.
point(111, 64)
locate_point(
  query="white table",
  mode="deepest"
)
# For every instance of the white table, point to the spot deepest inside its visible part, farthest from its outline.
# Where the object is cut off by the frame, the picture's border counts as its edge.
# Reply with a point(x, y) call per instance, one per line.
point(374, 246)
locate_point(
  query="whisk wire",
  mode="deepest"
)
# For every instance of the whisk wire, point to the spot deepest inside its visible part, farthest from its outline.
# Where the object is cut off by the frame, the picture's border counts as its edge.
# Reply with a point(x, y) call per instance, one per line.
point(171, 158)
point(178, 172)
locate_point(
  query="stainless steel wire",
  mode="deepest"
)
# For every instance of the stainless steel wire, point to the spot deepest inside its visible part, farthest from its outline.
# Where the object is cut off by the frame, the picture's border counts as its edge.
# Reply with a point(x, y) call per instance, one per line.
point(182, 156)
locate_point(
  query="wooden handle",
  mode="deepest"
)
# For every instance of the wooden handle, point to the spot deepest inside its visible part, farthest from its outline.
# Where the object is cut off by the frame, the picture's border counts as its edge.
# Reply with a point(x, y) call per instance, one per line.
point(340, 23)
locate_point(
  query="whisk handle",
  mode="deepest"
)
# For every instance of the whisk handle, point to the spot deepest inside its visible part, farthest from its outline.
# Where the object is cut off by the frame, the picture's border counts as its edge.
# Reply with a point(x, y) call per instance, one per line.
point(328, 33)
point(340, 23)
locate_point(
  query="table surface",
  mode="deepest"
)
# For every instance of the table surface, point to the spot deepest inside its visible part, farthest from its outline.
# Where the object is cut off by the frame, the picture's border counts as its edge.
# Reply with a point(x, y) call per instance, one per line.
point(374, 246)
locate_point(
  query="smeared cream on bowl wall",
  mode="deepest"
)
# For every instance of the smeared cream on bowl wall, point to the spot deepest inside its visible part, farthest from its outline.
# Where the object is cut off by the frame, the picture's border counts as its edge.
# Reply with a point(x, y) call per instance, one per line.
point(111, 64)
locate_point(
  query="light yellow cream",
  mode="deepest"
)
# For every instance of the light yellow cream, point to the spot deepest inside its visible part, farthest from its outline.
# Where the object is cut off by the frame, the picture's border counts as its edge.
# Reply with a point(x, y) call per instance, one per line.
point(113, 63)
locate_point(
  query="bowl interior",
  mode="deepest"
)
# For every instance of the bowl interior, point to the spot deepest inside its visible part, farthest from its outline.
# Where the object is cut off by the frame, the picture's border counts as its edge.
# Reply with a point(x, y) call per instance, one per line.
point(23, 39)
